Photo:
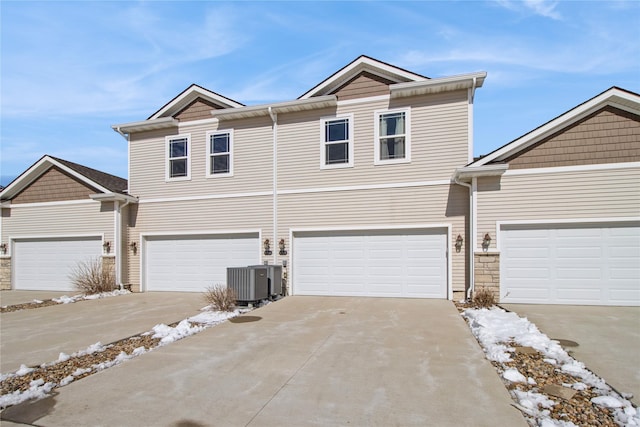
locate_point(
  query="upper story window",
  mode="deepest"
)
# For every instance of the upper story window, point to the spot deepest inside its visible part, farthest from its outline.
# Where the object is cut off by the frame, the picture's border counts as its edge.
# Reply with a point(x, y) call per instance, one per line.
point(393, 136)
point(336, 148)
point(178, 150)
point(219, 153)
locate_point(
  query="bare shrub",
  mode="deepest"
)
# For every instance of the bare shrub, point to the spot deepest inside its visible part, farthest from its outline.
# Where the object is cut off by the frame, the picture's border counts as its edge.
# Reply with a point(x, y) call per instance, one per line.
point(484, 298)
point(220, 297)
point(93, 277)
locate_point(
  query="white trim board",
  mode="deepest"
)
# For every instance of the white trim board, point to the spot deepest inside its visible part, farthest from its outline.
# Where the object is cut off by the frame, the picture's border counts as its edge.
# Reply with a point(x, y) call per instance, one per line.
point(577, 168)
point(59, 203)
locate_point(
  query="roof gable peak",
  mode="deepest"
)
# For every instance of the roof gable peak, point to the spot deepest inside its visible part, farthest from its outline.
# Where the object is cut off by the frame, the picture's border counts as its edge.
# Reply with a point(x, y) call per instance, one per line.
point(356, 67)
point(189, 95)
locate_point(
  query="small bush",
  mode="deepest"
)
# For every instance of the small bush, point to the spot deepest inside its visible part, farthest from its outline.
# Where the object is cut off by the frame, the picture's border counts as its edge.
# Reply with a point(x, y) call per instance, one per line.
point(484, 298)
point(221, 297)
point(92, 277)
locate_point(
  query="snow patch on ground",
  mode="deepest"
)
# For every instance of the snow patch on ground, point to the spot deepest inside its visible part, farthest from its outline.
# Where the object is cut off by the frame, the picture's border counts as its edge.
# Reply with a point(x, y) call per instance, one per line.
point(167, 334)
point(68, 300)
point(495, 327)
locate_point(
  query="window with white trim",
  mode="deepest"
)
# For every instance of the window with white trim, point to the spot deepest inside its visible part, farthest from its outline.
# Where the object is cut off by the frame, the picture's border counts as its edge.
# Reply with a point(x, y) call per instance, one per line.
point(336, 143)
point(393, 136)
point(220, 153)
point(178, 151)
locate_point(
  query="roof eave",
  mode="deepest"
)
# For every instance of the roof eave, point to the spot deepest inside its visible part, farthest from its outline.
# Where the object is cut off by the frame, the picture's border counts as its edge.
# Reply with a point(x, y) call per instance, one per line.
point(278, 108)
point(441, 84)
point(113, 197)
point(146, 125)
point(468, 172)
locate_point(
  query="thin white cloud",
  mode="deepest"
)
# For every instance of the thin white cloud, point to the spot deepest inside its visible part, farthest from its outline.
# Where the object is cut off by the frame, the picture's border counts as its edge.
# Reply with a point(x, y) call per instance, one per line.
point(543, 8)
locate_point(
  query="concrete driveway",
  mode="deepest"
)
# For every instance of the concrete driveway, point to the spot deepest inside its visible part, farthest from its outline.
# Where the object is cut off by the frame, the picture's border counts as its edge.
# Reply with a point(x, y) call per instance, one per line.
point(37, 336)
point(301, 361)
point(608, 339)
point(11, 297)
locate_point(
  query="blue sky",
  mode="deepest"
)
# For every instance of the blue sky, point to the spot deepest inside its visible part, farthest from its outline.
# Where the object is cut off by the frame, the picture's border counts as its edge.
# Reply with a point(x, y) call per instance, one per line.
point(69, 70)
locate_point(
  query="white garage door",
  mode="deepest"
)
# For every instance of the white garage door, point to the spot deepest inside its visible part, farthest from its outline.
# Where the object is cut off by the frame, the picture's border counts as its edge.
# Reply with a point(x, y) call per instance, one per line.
point(45, 264)
point(371, 263)
point(193, 263)
point(577, 264)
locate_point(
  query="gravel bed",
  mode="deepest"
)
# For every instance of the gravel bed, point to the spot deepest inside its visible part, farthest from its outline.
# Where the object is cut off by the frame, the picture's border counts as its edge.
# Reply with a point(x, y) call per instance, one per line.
point(542, 376)
point(28, 306)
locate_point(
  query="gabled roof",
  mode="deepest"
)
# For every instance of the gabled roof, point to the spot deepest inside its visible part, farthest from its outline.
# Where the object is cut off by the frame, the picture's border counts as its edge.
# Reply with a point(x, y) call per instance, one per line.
point(189, 95)
point(359, 65)
point(101, 181)
point(614, 96)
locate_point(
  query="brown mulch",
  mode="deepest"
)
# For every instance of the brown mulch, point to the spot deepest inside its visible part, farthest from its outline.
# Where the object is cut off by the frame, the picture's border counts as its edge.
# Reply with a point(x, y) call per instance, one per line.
point(578, 409)
point(27, 306)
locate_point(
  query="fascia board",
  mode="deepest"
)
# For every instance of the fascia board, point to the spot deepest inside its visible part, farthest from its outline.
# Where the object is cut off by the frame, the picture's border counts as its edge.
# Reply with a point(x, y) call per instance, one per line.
point(361, 64)
point(280, 107)
point(468, 172)
point(441, 84)
point(190, 95)
point(113, 197)
point(144, 125)
point(38, 169)
point(614, 97)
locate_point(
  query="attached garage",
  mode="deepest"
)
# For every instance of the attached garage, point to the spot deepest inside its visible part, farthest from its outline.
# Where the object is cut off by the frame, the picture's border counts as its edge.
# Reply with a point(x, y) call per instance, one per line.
point(376, 263)
point(586, 264)
point(46, 263)
point(192, 263)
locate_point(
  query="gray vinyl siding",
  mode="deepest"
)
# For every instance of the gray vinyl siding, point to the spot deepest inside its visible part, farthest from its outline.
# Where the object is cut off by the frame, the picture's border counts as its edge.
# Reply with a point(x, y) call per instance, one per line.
point(252, 151)
point(92, 218)
point(610, 193)
point(428, 205)
point(439, 144)
point(199, 216)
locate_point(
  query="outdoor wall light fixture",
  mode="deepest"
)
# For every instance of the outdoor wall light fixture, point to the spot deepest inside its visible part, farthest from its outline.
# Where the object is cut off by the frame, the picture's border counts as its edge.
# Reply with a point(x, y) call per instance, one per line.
point(486, 242)
point(458, 244)
point(107, 247)
point(267, 247)
point(3, 248)
point(283, 248)
point(134, 247)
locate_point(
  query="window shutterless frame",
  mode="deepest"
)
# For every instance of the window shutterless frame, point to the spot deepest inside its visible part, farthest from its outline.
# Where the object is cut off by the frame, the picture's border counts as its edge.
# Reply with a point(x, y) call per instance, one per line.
point(392, 129)
point(336, 142)
point(219, 153)
point(178, 157)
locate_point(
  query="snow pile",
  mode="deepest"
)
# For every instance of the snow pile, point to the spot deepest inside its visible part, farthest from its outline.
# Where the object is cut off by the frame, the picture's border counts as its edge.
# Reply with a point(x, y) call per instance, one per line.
point(495, 327)
point(190, 326)
point(68, 300)
point(38, 389)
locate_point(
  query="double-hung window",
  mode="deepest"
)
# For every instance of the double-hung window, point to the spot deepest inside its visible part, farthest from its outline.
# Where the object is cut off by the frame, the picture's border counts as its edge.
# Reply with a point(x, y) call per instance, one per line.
point(336, 142)
point(392, 136)
point(178, 152)
point(219, 153)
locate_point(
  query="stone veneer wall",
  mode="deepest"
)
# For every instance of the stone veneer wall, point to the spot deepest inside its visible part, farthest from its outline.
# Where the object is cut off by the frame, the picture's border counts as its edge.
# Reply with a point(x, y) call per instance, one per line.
point(487, 272)
point(5, 273)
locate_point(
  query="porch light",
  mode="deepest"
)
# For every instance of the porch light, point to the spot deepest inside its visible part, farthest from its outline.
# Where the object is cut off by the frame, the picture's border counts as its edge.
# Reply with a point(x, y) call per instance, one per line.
point(267, 247)
point(134, 247)
point(458, 244)
point(107, 247)
point(283, 249)
point(3, 248)
point(486, 242)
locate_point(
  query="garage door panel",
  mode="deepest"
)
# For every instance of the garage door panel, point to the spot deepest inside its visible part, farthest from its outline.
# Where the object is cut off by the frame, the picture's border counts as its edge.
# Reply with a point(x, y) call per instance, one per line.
point(45, 264)
point(595, 264)
point(193, 263)
point(371, 263)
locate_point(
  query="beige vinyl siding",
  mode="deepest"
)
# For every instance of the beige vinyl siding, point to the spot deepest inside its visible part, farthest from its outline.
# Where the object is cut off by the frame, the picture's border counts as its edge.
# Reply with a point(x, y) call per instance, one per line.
point(441, 204)
point(85, 218)
point(363, 85)
point(180, 217)
point(252, 153)
point(567, 195)
point(439, 143)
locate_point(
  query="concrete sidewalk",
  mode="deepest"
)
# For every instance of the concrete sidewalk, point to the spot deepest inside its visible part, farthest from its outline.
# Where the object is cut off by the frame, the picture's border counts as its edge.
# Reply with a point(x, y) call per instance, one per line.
point(301, 361)
point(608, 338)
point(37, 336)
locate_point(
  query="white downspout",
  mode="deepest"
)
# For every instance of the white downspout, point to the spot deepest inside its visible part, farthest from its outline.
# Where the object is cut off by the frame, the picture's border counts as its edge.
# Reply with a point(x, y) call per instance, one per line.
point(274, 244)
point(120, 251)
